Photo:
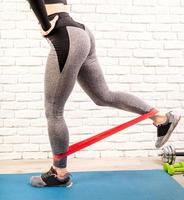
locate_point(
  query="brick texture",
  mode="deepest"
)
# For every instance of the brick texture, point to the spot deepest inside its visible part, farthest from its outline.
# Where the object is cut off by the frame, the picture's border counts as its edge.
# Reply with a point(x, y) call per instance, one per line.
point(140, 46)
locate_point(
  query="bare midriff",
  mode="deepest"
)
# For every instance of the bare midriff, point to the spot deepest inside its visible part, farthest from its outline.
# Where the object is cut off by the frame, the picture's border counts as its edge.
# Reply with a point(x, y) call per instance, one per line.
point(56, 8)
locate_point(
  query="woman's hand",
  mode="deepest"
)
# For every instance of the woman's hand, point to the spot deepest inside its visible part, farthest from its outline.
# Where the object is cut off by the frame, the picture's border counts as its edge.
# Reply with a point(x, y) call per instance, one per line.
point(52, 22)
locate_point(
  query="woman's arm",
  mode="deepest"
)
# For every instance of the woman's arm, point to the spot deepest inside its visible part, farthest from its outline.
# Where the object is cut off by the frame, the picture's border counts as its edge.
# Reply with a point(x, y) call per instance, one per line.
point(39, 10)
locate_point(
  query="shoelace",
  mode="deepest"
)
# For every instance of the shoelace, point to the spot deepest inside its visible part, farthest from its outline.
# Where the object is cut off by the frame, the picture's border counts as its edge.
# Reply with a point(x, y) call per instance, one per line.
point(48, 174)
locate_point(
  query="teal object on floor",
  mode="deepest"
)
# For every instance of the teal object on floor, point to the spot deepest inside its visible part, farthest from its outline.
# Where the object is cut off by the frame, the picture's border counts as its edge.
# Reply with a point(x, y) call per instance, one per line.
point(100, 185)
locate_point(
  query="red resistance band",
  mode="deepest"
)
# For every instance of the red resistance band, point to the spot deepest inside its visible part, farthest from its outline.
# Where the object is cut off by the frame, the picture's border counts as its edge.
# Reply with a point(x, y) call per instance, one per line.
point(91, 140)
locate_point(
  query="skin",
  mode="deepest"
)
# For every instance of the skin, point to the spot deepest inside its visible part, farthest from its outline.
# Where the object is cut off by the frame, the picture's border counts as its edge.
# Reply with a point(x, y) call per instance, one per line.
point(159, 118)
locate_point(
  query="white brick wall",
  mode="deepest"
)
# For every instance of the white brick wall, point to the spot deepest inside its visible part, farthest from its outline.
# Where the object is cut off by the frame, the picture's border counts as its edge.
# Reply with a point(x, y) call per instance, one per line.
point(140, 45)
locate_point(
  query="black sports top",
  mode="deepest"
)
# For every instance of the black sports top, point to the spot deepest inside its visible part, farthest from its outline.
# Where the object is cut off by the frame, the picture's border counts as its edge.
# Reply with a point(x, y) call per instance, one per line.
point(55, 1)
point(38, 7)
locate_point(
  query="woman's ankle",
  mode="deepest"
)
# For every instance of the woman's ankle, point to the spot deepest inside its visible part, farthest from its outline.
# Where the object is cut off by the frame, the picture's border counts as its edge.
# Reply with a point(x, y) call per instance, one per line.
point(159, 118)
point(61, 171)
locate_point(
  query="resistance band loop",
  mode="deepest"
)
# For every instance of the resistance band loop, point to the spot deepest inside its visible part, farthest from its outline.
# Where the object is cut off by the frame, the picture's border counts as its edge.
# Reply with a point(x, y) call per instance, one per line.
point(89, 141)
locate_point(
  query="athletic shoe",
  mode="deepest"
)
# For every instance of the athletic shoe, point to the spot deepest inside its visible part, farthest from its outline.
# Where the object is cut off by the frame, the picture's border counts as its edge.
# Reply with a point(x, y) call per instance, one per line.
point(51, 178)
point(164, 130)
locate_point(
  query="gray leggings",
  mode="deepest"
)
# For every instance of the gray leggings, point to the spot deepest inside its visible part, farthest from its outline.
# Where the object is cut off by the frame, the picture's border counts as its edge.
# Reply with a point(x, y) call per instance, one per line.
point(72, 58)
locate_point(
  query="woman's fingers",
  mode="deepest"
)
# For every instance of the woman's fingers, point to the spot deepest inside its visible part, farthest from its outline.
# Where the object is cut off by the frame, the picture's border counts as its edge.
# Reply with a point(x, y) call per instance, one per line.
point(52, 22)
point(55, 19)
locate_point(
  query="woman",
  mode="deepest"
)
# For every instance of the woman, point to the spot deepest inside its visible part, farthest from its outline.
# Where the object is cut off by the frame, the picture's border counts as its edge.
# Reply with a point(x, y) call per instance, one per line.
point(72, 57)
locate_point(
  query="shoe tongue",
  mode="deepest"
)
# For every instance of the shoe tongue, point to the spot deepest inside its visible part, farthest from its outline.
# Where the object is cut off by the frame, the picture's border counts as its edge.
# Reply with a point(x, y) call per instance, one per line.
point(53, 171)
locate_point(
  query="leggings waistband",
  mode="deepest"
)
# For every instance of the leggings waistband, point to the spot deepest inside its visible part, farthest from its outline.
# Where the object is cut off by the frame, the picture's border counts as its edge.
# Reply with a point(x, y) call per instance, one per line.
point(60, 14)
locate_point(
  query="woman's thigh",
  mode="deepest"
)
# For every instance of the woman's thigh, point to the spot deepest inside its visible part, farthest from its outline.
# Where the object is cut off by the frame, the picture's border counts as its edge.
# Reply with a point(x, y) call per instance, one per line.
point(63, 65)
point(91, 77)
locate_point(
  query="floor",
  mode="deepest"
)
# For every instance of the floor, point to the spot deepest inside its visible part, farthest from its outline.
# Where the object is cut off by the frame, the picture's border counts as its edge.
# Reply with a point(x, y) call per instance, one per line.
point(84, 164)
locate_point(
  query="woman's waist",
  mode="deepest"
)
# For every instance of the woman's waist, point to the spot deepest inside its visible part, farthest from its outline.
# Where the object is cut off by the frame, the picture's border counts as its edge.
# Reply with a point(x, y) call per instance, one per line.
point(63, 16)
point(65, 20)
point(56, 8)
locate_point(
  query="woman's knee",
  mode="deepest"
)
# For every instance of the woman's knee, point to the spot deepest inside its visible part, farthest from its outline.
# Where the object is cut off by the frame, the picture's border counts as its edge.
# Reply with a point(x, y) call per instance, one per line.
point(104, 99)
point(51, 112)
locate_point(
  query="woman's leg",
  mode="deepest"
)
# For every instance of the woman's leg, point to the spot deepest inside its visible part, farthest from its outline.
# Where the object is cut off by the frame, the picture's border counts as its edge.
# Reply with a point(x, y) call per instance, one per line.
point(59, 82)
point(92, 80)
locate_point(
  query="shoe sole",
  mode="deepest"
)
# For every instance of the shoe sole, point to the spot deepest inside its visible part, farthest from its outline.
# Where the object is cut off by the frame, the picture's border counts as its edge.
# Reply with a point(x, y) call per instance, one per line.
point(68, 185)
point(166, 138)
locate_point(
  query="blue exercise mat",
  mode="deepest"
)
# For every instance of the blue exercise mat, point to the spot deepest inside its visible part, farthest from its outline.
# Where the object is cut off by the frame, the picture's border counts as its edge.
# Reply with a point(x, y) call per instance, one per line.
point(108, 185)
